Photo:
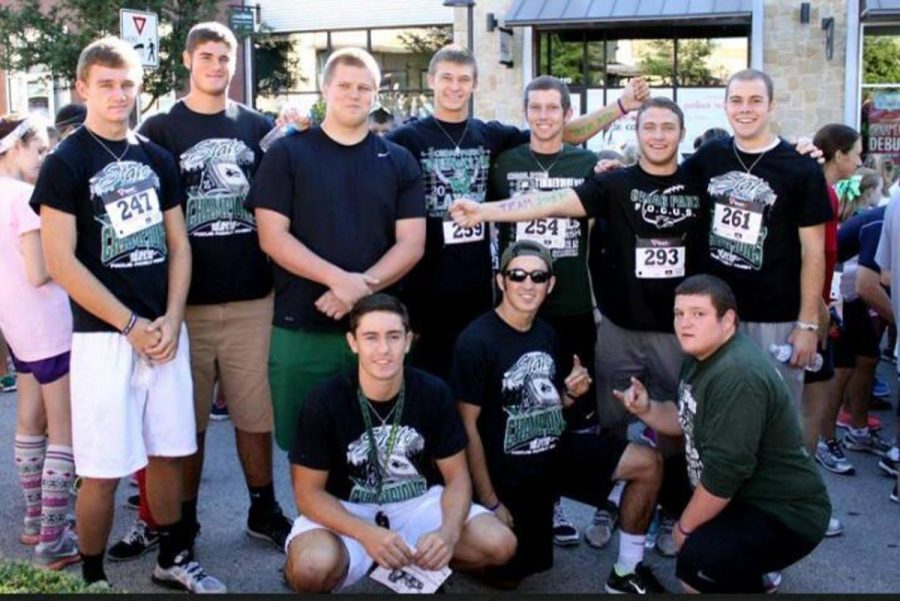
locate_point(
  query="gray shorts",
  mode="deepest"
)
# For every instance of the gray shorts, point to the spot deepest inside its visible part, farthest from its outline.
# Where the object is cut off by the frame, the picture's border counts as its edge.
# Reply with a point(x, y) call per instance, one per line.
point(654, 358)
point(764, 335)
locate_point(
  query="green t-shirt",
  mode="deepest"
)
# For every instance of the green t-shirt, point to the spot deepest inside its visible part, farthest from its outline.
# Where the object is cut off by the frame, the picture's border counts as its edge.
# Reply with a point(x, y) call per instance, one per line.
point(742, 437)
point(518, 171)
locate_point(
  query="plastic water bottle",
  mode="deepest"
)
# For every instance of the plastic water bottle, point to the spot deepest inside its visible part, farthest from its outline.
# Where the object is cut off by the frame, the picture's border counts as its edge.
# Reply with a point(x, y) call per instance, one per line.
point(276, 134)
point(783, 353)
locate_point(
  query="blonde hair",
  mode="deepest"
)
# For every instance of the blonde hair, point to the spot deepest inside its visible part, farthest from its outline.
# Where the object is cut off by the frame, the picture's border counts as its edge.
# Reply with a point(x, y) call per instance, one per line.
point(111, 52)
point(356, 57)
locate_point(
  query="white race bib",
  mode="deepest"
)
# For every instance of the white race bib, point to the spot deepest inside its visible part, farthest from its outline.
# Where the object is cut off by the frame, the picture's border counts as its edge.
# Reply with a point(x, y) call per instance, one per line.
point(738, 221)
point(133, 211)
point(657, 258)
point(550, 232)
point(457, 234)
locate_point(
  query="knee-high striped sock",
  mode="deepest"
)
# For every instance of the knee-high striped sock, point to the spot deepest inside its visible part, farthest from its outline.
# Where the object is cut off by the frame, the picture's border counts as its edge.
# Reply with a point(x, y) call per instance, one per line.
point(59, 471)
point(29, 452)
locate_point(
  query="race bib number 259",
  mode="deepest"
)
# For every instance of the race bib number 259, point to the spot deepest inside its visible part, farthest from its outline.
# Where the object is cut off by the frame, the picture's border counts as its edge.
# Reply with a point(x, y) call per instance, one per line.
point(457, 234)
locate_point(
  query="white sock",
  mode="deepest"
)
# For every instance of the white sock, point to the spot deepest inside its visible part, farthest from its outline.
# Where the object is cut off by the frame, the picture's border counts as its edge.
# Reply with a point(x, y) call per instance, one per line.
point(860, 432)
point(631, 552)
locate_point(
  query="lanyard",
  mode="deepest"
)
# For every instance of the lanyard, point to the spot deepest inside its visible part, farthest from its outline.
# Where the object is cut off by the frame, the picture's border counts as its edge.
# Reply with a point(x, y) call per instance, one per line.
point(370, 432)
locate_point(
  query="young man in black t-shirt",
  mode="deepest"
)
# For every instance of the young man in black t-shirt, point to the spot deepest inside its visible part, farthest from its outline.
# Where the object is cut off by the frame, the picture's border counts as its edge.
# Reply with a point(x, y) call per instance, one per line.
point(341, 213)
point(506, 379)
point(767, 234)
point(452, 284)
point(114, 238)
point(229, 305)
point(379, 468)
point(655, 217)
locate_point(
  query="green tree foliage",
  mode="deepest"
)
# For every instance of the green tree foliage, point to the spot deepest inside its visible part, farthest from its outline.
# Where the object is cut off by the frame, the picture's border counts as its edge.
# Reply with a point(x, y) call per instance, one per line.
point(429, 41)
point(658, 62)
point(53, 36)
point(277, 64)
point(881, 59)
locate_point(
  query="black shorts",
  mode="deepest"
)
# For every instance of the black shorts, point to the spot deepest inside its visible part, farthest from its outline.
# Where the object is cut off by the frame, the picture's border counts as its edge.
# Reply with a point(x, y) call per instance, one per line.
point(731, 552)
point(582, 469)
point(827, 371)
point(858, 337)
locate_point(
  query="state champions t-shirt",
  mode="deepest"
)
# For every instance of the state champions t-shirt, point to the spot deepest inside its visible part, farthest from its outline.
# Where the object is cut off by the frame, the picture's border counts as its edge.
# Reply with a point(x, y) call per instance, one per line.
point(118, 206)
point(218, 155)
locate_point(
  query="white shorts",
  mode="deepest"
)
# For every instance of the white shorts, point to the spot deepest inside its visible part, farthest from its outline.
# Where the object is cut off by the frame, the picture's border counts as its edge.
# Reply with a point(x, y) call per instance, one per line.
point(411, 519)
point(123, 410)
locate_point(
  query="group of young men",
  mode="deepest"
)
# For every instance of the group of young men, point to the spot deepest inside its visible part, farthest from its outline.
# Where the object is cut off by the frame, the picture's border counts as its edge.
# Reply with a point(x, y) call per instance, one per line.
point(299, 280)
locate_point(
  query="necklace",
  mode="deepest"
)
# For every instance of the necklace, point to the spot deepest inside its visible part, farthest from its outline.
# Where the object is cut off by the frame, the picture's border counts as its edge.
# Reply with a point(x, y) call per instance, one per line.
point(384, 419)
point(546, 170)
point(741, 161)
point(452, 141)
point(365, 407)
point(106, 148)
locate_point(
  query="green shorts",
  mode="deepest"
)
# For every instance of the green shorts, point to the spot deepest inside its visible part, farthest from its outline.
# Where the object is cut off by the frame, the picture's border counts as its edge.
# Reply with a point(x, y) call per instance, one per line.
point(298, 361)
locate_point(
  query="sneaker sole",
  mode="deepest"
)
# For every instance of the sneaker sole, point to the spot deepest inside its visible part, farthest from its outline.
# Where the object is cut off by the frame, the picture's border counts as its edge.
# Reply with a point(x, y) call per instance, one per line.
point(613, 591)
point(171, 584)
point(834, 534)
point(60, 563)
point(146, 550)
point(888, 471)
point(261, 536)
point(594, 545)
point(862, 449)
point(566, 542)
point(836, 470)
point(219, 418)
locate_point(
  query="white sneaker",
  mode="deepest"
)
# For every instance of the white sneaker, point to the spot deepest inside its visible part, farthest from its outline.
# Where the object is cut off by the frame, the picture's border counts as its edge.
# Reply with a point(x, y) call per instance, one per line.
point(835, 528)
point(187, 575)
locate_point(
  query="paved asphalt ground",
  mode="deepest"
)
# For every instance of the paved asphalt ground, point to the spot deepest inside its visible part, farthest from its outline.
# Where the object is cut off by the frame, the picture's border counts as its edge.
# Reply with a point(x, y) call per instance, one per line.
point(865, 559)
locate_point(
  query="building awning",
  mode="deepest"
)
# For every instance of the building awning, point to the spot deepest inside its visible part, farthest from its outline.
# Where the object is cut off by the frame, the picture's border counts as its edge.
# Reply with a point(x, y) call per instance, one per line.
point(608, 12)
point(880, 9)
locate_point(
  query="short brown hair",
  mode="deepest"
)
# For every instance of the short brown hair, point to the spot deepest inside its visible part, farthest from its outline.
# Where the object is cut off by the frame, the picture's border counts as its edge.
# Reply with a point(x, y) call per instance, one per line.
point(453, 53)
point(355, 57)
point(377, 302)
point(752, 75)
point(661, 102)
point(111, 52)
point(209, 31)
point(719, 293)
point(548, 82)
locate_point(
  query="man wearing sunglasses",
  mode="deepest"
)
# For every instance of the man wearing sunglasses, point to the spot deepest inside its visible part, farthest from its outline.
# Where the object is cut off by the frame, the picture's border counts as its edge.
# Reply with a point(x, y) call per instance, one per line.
point(511, 395)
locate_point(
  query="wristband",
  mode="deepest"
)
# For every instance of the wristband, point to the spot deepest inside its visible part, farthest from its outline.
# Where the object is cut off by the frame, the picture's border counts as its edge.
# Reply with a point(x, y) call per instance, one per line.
point(621, 106)
point(130, 326)
point(495, 507)
point(681, 530)
point(807, 326)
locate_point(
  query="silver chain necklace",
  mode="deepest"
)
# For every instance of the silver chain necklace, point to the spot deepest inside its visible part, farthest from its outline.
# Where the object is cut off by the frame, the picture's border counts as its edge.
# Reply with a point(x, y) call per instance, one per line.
point(452, 141)
point(383, 420)
point(106, 148)
point(753, 164)
point(546, 170)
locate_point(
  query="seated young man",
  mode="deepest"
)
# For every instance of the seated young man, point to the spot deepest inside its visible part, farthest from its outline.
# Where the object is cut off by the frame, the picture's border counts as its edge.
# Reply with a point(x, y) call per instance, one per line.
point(371, 451)
point(509, 389)
point(750, 498)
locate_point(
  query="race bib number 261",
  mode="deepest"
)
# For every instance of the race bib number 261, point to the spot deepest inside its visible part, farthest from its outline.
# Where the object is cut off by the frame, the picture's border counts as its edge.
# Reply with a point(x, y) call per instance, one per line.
point(738, 221)
point(457, 234)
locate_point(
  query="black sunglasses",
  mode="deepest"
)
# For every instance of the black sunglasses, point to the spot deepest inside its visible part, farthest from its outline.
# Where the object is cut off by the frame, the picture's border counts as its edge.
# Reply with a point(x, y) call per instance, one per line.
point(538, 276)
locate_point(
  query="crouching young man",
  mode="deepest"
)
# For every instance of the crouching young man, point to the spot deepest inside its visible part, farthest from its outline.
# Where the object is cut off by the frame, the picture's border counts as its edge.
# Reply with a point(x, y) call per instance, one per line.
point(750, 498)
point(371, 451)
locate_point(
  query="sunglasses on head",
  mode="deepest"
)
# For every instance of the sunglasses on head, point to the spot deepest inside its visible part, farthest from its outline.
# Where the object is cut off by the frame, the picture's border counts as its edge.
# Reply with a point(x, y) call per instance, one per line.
point(538, 276)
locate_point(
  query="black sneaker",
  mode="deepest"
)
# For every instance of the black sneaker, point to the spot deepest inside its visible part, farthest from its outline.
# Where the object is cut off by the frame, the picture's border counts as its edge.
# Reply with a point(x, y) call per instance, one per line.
point(138, 541)
point(272, 526)
point(895, 494)
point(564, 533)
point(133, 502)
point(640, 582)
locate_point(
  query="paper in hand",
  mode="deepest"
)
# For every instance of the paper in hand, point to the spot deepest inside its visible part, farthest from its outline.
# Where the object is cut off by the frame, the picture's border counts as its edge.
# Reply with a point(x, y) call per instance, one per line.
point(411, 579)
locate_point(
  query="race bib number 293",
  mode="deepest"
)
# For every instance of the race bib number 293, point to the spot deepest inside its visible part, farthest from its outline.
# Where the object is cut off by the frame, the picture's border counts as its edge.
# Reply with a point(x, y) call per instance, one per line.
point(457, 234)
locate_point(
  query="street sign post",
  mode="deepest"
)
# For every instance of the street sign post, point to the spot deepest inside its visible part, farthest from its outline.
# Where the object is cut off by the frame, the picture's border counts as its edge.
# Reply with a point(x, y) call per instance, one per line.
point(242, 20)
point(141, 30)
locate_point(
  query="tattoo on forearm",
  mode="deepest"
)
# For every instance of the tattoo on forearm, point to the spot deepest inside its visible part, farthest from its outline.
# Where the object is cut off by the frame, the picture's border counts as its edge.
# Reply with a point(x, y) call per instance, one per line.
point(533, 200)
point(593, 125)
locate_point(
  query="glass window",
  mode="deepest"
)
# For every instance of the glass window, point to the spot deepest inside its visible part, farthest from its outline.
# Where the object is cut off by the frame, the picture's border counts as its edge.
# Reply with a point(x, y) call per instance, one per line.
point(880, 102)
point(404, 54)
point(706, 62)
point(596, 63)
point(349, 39)
point(567, 56)
point(881, 55)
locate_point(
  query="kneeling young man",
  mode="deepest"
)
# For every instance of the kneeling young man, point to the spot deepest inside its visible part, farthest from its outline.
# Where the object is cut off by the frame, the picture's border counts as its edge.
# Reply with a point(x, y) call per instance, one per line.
point(508, 385)
point(371, 448)
point(752, 501)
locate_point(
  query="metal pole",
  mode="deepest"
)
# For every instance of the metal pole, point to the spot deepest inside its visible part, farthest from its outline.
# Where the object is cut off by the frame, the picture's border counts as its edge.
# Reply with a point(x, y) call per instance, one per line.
point(471, 38)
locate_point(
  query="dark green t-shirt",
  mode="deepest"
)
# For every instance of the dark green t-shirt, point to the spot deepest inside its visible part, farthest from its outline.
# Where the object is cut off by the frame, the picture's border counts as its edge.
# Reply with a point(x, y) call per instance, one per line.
point(742, 437)
point(518, 171)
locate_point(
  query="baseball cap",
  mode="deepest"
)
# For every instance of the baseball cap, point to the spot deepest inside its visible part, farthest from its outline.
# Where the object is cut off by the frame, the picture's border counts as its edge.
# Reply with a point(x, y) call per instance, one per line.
point(526, 248)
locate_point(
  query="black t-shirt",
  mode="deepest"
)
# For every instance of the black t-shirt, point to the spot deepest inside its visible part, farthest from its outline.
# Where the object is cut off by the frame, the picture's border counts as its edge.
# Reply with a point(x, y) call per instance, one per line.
point(655, 237)
point(343, 203)
point(754, 243)
point(456, 163)
point(859, 236)
point(513, 377)
point(331, 436)
point(123, 243)
point(218, 155)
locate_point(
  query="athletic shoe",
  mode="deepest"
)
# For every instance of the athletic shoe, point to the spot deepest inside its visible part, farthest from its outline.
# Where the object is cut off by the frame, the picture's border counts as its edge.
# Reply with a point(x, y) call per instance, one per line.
point(187, 575)
point(830, 455)
point(564, 533)
point(273, 527)
point(843, 421)
point(890, 463)
point(133, 481)
point(835, 528)
point(895, 494)
point(771, 582)
point(59, 554)
point(880, 388)
point(601, 530)
point(219, 410)
point(640, 582)
point(871, 443)
point(132, 502)
point(8, 383)
point(31, 531)
point(665, 544)
point(139, 540)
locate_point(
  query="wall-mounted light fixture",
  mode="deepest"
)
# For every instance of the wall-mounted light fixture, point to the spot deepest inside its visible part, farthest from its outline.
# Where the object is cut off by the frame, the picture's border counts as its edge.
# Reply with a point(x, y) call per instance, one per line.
point(828, 27)
point(804, 13)
point(492, 22)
